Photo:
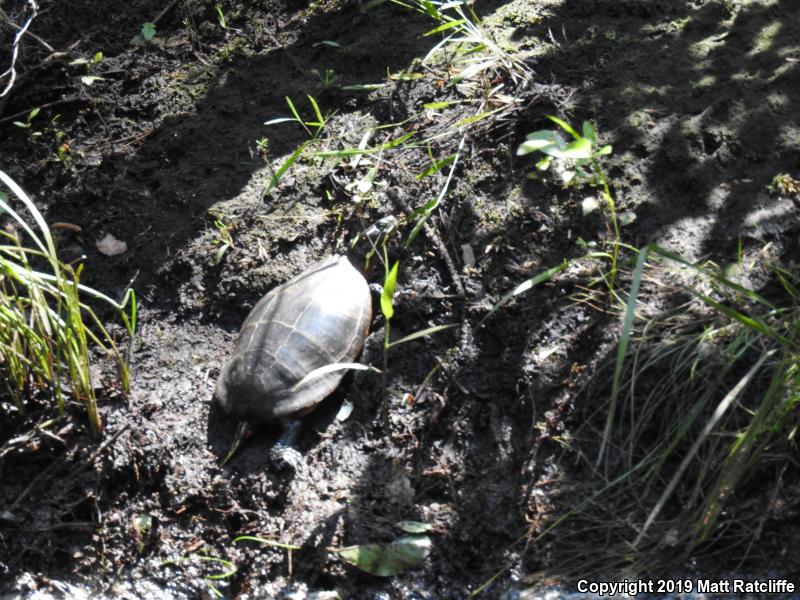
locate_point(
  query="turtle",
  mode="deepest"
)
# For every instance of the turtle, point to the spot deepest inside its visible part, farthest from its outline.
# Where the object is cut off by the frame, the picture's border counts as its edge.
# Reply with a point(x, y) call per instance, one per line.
point(317, 318)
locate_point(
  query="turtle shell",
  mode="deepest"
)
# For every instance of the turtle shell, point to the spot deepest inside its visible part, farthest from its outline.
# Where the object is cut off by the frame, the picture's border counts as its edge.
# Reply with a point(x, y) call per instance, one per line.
point(318, 318)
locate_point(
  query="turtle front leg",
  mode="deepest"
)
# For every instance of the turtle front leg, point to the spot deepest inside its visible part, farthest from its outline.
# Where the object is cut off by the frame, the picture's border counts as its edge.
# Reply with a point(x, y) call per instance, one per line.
point(283, 453)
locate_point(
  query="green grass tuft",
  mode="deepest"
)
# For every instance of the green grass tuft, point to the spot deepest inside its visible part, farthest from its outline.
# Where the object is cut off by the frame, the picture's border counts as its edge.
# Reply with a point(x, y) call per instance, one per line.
point(47, 328)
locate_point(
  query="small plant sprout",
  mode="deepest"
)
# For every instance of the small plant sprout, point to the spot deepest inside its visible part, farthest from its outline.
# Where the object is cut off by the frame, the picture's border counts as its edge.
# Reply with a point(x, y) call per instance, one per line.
point(580, 165)
point(362, 189)
point(89, 78)
point(317, 125)
point(313, 128)
point(221, 571)
point(327, 77)
point(62, 152)
point(262, 147)
point(28, 124)
point(386, 560)
point(148, 31)
point(577, 157)
point(224, 239)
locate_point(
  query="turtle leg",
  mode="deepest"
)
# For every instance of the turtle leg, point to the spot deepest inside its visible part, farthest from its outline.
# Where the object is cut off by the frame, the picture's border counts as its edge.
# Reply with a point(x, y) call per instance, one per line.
point(243, 431)
point(283, 453)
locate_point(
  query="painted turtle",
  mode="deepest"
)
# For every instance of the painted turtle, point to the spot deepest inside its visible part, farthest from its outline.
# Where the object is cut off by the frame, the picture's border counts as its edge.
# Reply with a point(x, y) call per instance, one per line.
point(317, 318)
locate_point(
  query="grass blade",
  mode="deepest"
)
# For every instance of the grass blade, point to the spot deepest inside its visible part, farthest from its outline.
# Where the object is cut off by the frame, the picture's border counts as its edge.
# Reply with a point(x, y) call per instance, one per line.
point(423, 333)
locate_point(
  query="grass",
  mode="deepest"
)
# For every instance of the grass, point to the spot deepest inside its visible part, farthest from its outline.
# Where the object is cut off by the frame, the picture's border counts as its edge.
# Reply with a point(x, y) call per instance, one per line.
point(48, 328)
point(465, 56)
point(700, 422)
point(461, 31)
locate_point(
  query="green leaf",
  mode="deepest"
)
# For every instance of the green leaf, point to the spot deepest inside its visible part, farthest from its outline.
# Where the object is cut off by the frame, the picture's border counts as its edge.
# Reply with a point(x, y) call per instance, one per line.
point(330, 43)
point(285, 167)
point(280, 120)
point(293, 109)
point(436, 105)
point(543, 137)
point(131, 322)
point(148, 31)
point(21, 124)
point(437, 166)
point(385, 560)
point(266, 542)
point(547, 141)
point(424, 213)
point(358, 151)
point(363, 87)
point(90, 79)
point(143, 523)
point(605, 150)
point(589, 132)
point(445, 26)
point(474, 118)
point(580, 148)
point(229, 569)
point(320, 118)
point(406, 76)
point(414, 526)
point(33, 113)
point(398, 141)
point(387, 294)
point(564, 125)
point(430, 8)
point(524, 287)
point(420, 334)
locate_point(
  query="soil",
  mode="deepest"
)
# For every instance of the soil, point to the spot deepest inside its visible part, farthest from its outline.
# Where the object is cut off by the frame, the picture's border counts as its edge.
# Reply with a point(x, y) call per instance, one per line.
point(700, 102)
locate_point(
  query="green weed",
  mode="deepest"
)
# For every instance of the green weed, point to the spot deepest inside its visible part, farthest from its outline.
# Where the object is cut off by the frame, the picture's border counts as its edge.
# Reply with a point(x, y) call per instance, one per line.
point(28, 123)
point(326, 77)
point(460, 27)
point(262, 147)
point(47, 328)
point(313, 128)
point(580, 164)
point(90, 64)
point(223, 239)
point(703, 401)
point(148, 31)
